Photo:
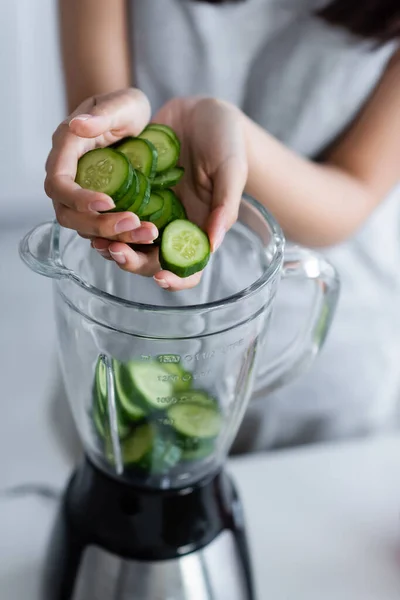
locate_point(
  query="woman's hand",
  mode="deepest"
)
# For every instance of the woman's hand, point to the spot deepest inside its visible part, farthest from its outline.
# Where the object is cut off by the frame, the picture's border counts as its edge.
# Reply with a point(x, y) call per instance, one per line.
point(213, 154)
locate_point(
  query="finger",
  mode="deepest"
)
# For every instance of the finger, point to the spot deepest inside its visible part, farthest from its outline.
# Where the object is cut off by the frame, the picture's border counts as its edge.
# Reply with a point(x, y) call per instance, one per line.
point(229, 183)
point(127, 259)
point(61, 169)
point(63, 190)
point(119, 113)
point(108, 225)
point(171, 282)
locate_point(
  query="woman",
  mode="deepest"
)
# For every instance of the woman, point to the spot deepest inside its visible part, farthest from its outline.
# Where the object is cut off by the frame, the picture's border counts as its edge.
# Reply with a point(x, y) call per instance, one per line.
point(302, 112)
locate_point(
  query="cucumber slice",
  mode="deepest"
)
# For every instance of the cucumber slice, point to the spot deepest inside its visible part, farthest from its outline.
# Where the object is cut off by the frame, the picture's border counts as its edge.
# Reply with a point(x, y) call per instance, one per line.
point(139, 445)
point(165, 455)
point(195, 421)
point(196, 397)
point(125, 392)
point(161, 220)
point(202, 452)
point(100, 423)
point(143, 195)
point(150, 386)
point(185, 248)
point(141, 154)
point(167, 150)
point(182, 379)
point(154, 207)
point(168, 178)
point(105, 170)
point(100, 405)
point(166, 129)
point(130, 196)
point(178, 211)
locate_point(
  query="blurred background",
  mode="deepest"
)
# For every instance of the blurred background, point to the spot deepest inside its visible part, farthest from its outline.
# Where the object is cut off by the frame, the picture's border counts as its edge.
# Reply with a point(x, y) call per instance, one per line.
point(31, 103)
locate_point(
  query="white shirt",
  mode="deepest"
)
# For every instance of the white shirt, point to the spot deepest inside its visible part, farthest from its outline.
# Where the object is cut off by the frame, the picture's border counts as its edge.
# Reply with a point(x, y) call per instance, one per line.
point(304, 82)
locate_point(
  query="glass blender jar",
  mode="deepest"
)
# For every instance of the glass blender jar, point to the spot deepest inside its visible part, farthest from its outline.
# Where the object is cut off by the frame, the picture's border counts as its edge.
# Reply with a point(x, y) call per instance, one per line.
point(158, 385)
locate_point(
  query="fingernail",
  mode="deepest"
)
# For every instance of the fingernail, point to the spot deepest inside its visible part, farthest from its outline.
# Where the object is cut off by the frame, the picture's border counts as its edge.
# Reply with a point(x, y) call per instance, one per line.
point(81, 118)
point(127, 224)
point(104, 253)
point(101, 205)
point(219, 239)
point(162, 283)
point(144, 234)
point(119, 257)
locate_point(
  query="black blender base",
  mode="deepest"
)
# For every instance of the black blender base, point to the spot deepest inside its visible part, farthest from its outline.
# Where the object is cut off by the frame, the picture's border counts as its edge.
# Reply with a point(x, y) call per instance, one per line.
point(111, 537)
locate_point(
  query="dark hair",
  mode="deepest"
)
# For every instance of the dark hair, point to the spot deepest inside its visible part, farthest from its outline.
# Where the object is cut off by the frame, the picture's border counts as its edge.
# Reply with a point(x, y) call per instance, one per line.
point(375, 19)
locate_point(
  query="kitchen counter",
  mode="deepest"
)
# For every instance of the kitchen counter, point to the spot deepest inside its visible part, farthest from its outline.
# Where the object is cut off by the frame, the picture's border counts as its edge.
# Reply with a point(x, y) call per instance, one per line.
point(323, 521)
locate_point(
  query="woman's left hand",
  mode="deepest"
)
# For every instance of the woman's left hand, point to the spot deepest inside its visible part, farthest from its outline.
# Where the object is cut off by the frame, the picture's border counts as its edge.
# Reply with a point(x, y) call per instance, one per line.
point(215, 161)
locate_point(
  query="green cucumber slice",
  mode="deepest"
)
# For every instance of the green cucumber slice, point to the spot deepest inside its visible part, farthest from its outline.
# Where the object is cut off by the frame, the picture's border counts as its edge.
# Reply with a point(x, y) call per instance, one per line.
point(135, 448)
point(182, 379)
point(141, 154)
point(165, 216)
point(167, 150)
point(143, 196)
point(105, 170)
point(154, 207)
point(168, 178)
point(197, 397)
point(165, 455)
point(166, 129)
point(178, 211)
point(195, 421)
point(130, 196)
point(185, 248)
point(100, 405)
point(125, 392)
point(151, 388)
point(201, 452)
point(100, 423)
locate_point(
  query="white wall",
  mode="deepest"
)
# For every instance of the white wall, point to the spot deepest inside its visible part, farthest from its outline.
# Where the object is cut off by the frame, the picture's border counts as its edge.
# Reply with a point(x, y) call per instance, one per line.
point(31, 104)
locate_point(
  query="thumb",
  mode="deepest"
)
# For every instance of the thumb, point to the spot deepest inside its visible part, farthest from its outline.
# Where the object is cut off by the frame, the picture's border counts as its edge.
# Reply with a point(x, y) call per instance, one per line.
point(122, 113)
point(228, 186)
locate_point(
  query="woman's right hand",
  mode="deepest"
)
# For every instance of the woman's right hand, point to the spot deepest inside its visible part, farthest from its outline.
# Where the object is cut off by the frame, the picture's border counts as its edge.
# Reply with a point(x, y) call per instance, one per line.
point(97, 122)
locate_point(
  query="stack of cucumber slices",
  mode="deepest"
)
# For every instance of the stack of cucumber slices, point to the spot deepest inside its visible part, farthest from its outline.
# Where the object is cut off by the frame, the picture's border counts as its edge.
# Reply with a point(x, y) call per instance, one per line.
point(161, 421)
point(138, 174)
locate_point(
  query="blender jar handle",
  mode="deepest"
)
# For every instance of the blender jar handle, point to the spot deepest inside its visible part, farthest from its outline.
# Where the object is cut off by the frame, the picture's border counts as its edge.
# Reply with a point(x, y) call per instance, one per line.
point(39, 249)
point(302, 263)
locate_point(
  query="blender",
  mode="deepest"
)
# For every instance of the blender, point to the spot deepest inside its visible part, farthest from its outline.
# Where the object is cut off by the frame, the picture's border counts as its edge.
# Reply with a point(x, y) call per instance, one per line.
point(158, 383)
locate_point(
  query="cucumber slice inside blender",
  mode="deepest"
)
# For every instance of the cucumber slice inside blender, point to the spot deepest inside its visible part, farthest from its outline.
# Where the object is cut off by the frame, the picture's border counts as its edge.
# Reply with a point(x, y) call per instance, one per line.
point(105, 170)
point(202, 452)
point(166, 129)
point(194, 421)
point(167, 150)
point(141, 154)
point(197, 397)
point(138, 446)
point(185, 248)
point(168, 178)
point(130, 406)
point(149, 387)
point(182, 380)
point(100, 415)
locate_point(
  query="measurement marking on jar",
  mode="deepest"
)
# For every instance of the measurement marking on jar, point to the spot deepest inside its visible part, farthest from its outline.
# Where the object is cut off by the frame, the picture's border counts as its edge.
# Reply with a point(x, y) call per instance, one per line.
point(212, 353)
point(190, 358)
point(185, 378)
point(169, 359)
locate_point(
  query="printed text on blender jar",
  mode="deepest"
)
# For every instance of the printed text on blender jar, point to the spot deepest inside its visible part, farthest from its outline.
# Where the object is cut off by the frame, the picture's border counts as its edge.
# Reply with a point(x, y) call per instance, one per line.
point(192, 358)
